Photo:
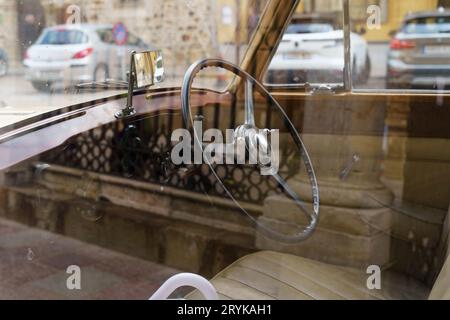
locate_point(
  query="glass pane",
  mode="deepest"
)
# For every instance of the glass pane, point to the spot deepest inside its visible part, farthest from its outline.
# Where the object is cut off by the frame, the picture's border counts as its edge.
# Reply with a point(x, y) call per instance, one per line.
point(62, 37)
point(312, 49)
point(408, 44)
point(284, 195)
point(47, 48)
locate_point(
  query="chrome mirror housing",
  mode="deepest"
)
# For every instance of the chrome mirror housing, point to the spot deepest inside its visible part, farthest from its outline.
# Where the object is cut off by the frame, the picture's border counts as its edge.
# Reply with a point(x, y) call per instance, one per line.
point(146, 70)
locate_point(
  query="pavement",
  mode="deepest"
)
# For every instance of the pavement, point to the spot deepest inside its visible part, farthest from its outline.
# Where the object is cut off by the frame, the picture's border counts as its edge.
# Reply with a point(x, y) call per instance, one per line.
point(34, 264)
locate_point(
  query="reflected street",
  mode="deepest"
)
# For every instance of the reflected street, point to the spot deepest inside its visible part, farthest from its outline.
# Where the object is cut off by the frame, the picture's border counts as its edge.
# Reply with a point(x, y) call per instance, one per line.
point(23, 101)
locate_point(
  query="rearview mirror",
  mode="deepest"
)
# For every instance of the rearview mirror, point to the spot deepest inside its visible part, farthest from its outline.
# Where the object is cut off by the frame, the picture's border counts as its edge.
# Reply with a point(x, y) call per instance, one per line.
point(148, 68)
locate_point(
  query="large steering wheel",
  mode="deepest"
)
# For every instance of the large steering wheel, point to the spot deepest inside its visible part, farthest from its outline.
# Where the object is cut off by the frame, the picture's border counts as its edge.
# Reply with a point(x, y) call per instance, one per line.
point(248, 132)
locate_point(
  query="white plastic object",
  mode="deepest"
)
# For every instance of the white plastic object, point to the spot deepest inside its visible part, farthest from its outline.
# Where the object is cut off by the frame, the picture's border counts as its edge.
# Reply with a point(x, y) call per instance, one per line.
point(186, 280)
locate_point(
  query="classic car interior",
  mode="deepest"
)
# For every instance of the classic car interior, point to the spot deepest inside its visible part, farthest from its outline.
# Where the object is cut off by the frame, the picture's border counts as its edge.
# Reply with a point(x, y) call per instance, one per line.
point(363, 182)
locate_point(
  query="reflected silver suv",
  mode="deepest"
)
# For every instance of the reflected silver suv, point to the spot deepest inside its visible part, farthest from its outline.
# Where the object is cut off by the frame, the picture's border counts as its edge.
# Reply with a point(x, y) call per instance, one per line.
point(71, 54)
point(419, 55)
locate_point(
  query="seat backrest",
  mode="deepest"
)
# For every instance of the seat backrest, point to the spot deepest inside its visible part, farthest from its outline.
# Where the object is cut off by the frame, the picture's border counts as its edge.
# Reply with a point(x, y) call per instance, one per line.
point(441, 288)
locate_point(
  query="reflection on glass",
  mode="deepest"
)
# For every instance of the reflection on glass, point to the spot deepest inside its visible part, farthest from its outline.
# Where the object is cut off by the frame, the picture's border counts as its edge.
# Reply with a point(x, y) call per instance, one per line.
point(85, 193)
point(408, 43)
point(53, 47)
point(312, 51)
point(394, 45)
point(149, 68)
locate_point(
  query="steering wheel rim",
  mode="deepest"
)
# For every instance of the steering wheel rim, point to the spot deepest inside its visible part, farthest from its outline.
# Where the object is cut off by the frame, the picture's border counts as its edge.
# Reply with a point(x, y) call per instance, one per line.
point(307, 231)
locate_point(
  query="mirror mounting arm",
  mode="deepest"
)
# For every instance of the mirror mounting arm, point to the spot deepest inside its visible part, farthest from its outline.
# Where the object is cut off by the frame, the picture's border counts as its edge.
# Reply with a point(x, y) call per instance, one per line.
point(129, 110)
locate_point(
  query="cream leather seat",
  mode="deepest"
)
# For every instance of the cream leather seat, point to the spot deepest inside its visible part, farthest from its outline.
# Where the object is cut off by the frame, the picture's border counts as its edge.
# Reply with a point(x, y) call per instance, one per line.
point(273, 275)
point(441, 289)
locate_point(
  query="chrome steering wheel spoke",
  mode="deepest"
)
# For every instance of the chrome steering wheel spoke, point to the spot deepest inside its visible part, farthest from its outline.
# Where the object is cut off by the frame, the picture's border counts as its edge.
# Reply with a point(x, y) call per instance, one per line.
point(249, 104)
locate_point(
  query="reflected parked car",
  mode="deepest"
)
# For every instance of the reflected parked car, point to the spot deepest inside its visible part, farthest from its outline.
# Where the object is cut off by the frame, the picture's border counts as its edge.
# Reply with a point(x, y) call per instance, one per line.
point(312, 50)
point(420, 52)
point(70, 54)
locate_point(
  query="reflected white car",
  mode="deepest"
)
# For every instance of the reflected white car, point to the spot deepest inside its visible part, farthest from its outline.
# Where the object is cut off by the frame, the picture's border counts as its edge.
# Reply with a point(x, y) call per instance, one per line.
point(312, 51)
point(67, 55)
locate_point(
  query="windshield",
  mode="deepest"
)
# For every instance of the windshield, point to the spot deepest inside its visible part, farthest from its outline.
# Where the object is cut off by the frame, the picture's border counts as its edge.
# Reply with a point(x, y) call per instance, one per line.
point(309, 28)
point(49, 48)
point(428, 25)
point(62, 37)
